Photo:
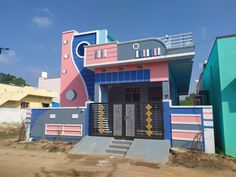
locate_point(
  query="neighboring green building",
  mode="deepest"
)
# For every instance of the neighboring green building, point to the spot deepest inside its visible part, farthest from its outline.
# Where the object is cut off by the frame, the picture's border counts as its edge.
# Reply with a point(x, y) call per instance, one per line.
point(217, 87)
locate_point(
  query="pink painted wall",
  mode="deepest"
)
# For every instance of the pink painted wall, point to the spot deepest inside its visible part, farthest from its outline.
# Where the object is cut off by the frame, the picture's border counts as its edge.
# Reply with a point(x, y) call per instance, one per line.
point(90, 54)
point(158, 70)
point(65, 130)
point(195, 119)
point(179, 135)
point(72, 80)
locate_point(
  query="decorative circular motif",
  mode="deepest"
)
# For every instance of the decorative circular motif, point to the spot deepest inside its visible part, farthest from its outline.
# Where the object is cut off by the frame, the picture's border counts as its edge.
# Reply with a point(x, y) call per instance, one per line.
point(64, 71)
point(65, 42)
point(80, 48)
point(66, 56)
point(136, 46)
point(71, 95)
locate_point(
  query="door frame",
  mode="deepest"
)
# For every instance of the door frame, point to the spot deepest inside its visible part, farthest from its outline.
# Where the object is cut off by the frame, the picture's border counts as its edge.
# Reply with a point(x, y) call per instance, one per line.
point(124, 124)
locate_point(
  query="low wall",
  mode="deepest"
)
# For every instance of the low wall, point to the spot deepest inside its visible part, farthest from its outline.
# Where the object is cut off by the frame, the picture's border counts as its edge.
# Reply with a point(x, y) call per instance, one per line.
point(12, 115)
point(189, 126)
point(62, 124)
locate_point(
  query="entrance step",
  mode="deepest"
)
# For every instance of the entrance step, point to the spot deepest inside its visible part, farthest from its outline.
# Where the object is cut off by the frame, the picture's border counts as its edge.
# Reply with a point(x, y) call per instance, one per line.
point(119, 147)
point(116, 151)
point(127, 142)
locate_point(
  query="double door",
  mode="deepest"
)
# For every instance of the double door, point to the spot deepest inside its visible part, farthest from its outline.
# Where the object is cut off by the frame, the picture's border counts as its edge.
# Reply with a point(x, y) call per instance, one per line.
point(124, 120)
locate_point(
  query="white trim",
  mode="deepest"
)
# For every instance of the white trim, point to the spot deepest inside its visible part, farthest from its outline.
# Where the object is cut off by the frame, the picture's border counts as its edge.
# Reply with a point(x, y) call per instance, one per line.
point(66, 56)
point(137, 54)
point(147, 52)
point(64, 71)
point(198, 115)
point(207, 110)
point(207, 116)
point(70, 31)
point(75, 116)
point(106, 33)
point(185, 139)
point(186, 131)
point(52, 116)
point(147, 59)
point(208, 123)
point(143, 39)
point(97, 35)
point(193, 106)
point(137, 46)
point(158, 51)
point(86, 32)
point(95, 45)
point(99, 94)
point(65, 42)
point(76, 50)
point(209, 140)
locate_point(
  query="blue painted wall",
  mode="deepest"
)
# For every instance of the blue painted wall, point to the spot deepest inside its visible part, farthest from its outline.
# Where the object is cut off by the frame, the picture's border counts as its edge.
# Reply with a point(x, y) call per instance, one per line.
point(87, 74)
point(40, 117)
point(168, 126)
point(123, 77)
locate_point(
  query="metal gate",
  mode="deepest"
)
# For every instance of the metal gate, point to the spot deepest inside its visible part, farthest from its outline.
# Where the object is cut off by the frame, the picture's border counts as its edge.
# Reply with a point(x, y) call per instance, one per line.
point(138, 120)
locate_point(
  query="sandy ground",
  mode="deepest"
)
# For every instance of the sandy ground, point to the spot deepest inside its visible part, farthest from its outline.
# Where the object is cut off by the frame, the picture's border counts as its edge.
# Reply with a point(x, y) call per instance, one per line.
point(24, 162)
point(47, 160)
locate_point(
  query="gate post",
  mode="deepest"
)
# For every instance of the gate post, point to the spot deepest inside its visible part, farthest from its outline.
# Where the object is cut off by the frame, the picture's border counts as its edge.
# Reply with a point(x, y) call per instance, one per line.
point(87, 106)
point(166, 119)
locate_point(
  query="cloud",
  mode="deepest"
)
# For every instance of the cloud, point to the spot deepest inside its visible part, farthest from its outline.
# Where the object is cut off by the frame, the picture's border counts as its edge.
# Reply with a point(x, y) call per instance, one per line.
point(42, 22)
point(44, 11)
point(7, 57)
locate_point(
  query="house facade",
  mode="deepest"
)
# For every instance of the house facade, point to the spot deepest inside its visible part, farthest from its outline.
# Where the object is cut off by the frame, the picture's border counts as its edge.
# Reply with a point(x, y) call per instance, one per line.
point(130, 91)
point(217, 87)
point(94, 67)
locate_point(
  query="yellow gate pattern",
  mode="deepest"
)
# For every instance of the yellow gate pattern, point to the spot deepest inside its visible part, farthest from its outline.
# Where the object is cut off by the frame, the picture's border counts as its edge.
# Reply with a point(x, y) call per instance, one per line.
point(101, 113)
point(149, 120)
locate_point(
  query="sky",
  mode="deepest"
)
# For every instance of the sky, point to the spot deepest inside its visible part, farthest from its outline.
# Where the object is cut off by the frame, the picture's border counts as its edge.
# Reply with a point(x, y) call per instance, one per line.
point(32, 29)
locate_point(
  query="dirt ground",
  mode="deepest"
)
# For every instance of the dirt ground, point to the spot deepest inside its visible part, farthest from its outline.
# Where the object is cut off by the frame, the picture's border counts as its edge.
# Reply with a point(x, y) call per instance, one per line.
point(48, 159)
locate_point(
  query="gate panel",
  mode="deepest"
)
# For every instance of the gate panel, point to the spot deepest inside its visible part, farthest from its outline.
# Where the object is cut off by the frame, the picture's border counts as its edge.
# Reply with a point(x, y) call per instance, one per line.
point(139, 120)
point(117, 119)
point(149, 120)
point(101, 119)
point(129, 120)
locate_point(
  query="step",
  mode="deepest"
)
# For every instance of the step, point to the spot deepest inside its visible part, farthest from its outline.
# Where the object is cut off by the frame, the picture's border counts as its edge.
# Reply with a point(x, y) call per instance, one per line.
point(116, 151)
point(119, 146)
point(127, 142)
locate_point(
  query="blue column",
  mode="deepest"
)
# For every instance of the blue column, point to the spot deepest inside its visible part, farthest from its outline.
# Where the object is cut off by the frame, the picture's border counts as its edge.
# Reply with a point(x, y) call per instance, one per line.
point(166, 120)
point(86, 121)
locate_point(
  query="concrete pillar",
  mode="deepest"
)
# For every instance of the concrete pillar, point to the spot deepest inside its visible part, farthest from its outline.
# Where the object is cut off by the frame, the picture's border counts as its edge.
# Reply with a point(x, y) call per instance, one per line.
point(165, 90)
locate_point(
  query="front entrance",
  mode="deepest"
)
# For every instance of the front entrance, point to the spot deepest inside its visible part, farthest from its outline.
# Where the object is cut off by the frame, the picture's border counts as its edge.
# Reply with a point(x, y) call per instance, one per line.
point(124, 114)
point(133, 120)
point(124, 120)
point(133, 110)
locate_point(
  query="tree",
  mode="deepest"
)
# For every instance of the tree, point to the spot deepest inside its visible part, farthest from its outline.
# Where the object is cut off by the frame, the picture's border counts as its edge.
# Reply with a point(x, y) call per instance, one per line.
point(189, 100)
point(10, 79)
